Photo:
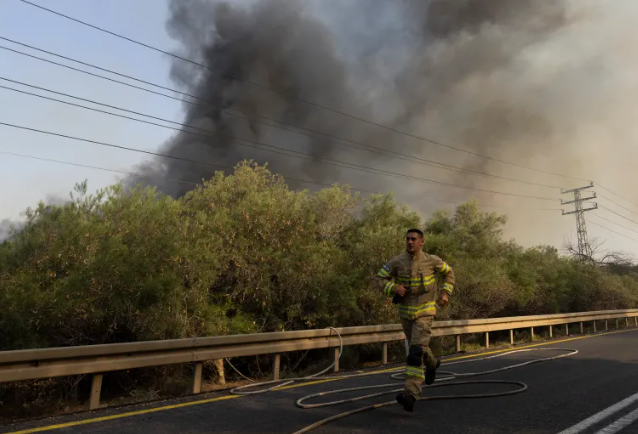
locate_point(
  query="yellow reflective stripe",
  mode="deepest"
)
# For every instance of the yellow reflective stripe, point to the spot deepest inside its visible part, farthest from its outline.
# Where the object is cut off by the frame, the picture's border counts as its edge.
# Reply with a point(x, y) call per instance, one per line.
point(383, 273)
point(445, 268)
point(387, 290)
point(448, 288)
point(427, 280)
point(415, 310)
point(413, 371)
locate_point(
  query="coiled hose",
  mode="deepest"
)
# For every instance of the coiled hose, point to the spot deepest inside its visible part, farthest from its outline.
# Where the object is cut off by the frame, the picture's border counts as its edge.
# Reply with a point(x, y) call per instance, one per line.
point(448, 376)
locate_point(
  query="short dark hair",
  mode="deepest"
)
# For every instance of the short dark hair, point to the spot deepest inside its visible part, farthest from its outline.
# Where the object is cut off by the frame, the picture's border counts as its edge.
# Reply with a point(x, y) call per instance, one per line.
point(416, 231)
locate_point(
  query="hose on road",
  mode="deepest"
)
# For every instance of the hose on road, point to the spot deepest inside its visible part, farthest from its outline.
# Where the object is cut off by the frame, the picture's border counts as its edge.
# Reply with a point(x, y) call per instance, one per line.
point(443, 378)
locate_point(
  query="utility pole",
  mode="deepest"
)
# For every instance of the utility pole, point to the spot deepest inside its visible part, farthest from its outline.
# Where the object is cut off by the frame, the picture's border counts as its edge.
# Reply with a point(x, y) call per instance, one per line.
point(584, 249)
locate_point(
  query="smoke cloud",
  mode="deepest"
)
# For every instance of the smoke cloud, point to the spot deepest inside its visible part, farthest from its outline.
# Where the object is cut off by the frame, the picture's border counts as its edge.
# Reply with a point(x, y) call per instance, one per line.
point(9, 227)
point(6, 228)
point(535, 83)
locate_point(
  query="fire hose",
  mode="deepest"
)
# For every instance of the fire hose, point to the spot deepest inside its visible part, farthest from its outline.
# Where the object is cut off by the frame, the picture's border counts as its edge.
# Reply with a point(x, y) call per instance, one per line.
point(445, 381)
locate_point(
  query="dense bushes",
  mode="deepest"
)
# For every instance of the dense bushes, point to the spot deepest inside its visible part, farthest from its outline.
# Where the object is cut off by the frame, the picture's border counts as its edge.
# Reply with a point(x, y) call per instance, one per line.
point(243, 253)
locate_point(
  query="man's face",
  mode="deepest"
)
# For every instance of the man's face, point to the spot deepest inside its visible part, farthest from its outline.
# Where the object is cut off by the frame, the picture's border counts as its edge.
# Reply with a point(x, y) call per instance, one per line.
point(413, 242)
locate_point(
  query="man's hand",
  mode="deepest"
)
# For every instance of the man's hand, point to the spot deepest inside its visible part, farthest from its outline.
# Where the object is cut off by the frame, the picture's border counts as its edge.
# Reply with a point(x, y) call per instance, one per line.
point(444, 299)
point(400, 290)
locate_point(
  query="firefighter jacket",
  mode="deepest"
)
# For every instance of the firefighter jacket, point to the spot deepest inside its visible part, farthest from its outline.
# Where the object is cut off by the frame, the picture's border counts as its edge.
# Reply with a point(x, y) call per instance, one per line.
point(416, 274)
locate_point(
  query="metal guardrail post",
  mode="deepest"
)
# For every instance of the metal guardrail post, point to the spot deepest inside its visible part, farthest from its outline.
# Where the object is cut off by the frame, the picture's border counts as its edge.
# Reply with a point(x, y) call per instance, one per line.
point(335, 358)
point(594, 323)
point(606, 325)
point(197, 378)
point(384, 354)
point(458, 343)
point(567, 329)
point(487, 339)
point(275, 367)
point(617, 324)
point(96, 390)
point(626, 322)
point(511, 337)
point(532, 333)
point(550, 332)
point(636, 321)
point(581, 328)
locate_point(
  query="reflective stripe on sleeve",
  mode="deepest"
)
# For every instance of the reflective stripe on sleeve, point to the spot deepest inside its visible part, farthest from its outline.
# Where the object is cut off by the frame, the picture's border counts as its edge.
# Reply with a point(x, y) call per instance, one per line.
point(387, 290)
point(448, 288)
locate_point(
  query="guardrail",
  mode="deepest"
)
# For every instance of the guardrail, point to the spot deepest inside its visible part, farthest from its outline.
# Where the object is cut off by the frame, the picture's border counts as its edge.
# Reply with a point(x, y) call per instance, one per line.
point(100, 359)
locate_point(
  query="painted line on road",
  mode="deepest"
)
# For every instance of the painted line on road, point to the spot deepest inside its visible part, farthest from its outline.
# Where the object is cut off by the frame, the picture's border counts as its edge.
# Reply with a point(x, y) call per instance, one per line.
point(601, 415)
point(536, 345)
point(620, 424)
point(293, 386)
point(119, 416)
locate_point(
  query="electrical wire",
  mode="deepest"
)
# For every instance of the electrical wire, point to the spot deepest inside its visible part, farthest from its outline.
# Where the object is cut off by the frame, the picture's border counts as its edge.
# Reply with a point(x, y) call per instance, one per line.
point(335, 140)
point(258, 145)
point(294, 97)
point(268, 386)
point(68, 163)
point(617, 204)
point(619, 215)
point(617, 224)
point(610, 230)
point(616, 194)
point(413, 198)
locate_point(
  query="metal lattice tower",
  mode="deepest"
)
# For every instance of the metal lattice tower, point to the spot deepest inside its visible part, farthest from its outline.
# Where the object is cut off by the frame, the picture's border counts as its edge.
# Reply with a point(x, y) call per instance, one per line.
point(584, 248)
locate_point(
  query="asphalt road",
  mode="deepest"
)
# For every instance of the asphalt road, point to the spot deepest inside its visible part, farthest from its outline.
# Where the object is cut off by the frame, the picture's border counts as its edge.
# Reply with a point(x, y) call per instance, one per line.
point(597, 388)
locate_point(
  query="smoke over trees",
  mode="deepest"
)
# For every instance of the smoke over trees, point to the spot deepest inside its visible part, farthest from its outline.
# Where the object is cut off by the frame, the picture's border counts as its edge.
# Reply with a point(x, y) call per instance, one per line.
point(512, 80)
point(425, 57)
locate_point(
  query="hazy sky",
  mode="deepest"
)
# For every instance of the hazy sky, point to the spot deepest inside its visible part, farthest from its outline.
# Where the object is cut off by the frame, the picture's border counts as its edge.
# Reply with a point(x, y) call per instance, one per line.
point(25, 181)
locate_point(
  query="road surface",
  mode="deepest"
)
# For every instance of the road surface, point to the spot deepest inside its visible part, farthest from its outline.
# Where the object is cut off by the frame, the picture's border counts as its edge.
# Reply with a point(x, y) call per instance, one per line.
point(595, 391)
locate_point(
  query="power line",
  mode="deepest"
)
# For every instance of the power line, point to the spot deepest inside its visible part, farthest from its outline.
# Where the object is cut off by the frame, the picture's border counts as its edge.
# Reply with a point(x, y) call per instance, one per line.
point(68, 163)
point(616, 194)
point(256, 144)
point(617, 204)
point(133, 150)
point(335, 163)
point(110, 145)
point(338, 140)
point(611, 230)
point(159, 50)
point(619, 215)
point(614, 223)
point(153, 153)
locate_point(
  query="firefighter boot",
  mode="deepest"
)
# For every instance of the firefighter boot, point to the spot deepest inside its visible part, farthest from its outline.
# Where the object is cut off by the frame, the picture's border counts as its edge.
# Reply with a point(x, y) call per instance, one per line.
point(407, 400)
point(430, 374)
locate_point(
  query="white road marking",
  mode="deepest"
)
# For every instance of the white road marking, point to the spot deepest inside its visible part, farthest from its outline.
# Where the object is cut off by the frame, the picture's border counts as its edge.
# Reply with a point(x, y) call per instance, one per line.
point(598, 417)
point(620, 424)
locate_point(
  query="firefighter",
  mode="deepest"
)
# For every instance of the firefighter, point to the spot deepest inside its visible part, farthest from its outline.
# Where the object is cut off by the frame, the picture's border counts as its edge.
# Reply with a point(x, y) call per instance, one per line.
point(409, 279)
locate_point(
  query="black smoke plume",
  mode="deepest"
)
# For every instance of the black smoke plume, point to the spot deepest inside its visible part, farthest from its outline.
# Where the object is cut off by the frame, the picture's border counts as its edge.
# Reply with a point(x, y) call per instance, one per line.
point(495, 77)
point(404, 64)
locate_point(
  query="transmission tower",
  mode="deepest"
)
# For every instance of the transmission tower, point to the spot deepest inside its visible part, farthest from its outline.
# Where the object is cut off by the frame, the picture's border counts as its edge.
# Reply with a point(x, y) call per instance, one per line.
point(584, 248)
